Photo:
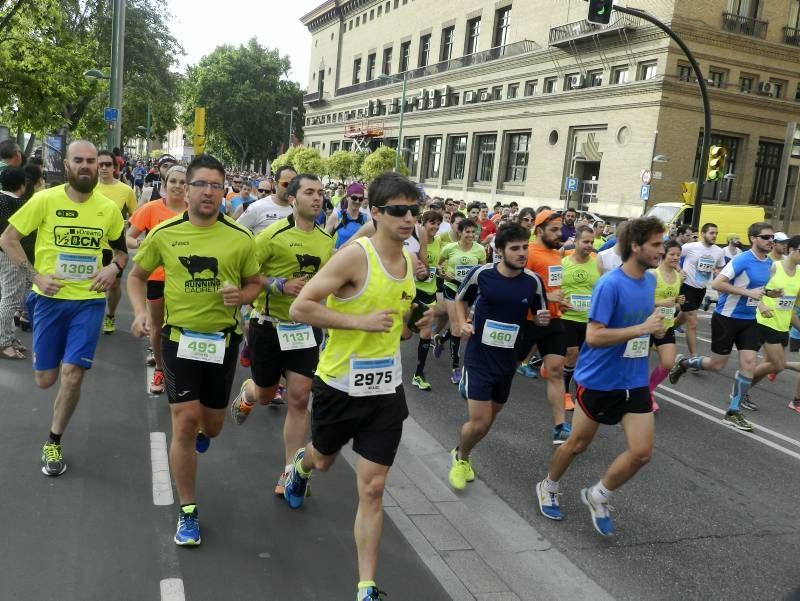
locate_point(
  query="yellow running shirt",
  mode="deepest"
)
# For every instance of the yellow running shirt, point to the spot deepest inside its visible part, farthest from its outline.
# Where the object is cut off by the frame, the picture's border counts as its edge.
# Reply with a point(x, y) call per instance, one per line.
point(667, 291)
point(70, 237)
point(783, 306)
point(121, 194)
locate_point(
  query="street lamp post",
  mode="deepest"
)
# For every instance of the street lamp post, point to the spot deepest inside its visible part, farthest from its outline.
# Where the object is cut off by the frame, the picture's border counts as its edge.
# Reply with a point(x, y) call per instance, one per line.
point(117, 57)
point(146, 130)
point(94, 75)
point(290, 114)
point(400, 126)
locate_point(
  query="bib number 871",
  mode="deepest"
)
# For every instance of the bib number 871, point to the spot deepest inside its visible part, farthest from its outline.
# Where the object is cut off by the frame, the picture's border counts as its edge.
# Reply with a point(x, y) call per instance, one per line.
point(373, 378)
point(203, 347)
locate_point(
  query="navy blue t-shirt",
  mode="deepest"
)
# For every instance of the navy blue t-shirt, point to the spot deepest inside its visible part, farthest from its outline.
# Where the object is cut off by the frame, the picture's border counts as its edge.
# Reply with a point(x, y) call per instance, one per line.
point(503, 300)
point(618, 301)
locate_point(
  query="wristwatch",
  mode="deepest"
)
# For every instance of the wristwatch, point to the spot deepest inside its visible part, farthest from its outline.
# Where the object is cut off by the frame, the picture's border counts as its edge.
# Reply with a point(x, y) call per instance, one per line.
point(120, 267)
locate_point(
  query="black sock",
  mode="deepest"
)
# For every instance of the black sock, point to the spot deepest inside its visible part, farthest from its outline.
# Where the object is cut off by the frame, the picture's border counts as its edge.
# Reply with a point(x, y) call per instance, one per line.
point(568, 371)
point(55, 438)
point(422, 355)
point(455, 344)
point(444, 336)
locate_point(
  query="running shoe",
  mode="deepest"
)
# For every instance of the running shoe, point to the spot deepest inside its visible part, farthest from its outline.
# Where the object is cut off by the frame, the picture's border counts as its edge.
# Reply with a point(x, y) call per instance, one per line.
point(794, 405)
point(202, 442)
point(240, 409)
point(109, 327)
point(188, 533)
point(568, 404)
point(706, 303)
point(157, 385)
point(278, 398)
point(371, 594)
point(601, 514)
point(421, 383)
point(52, 461)
point(295, 484)
point(244, 358)
point(677, 370)
point(772, 376)
point(536, 361)
point(438, 346)
point(561, 433)
point(748, 403)
point(461, 471)
point(548, 503)
point(526, 370)
point(737, 420)
point(151, 358)
point(455, 377)
point(281, 485)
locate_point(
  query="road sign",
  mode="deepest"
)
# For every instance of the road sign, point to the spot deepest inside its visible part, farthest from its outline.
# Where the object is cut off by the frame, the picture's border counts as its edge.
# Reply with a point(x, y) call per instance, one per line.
point(644, 192)
point(111, 115)
point(647, 176)
point(571, 184)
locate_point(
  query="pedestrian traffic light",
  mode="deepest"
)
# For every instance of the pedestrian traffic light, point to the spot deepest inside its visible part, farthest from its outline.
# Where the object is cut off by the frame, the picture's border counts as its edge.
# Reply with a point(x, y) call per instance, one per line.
point(688, 192)
point(716, 163)
point(600, 11)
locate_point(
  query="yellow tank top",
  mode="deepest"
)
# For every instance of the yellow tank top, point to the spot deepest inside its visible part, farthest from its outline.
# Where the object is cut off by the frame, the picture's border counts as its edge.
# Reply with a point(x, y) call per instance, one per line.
point(783, 306)
point(368, 363)
point(664, 291)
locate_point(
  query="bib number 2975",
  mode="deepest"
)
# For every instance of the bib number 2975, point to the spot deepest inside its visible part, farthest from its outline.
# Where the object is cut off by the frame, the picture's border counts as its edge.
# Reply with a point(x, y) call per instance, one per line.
point(372, 377)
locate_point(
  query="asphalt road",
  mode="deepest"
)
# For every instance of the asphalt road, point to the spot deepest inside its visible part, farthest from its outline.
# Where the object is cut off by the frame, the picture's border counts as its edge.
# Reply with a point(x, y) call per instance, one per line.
point(713, 516)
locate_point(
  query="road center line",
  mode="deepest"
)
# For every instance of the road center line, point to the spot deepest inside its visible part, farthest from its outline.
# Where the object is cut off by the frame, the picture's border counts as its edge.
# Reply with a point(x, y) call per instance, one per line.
point(162, 485)
point(172, 590)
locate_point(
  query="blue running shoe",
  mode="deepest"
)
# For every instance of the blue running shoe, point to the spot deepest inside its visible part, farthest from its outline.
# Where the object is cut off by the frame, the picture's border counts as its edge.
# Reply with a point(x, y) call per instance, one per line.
point(455, 376)
point(438, 346)
point(561, 433)
point(548, 503)
point(188, 533)
point(202, 443)
point(294, 492)
point(601, 514)
point(526, 370)
point(371, 594)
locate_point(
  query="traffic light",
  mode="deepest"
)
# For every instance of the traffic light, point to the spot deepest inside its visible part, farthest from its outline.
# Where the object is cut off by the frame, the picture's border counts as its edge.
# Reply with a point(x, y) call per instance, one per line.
point(600, 11)
point(688, 192)
point(716, 163)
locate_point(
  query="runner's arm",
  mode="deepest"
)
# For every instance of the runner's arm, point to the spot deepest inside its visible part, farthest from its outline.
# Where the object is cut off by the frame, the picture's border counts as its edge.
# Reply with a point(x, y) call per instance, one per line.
point(598, 335)
point(11, 245)
point(137, 289)
point(132, 236)
point(330, 224)
point(723, 285)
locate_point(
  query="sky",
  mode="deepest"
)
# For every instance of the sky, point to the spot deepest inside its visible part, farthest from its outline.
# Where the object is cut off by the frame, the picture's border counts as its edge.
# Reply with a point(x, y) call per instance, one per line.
point(274, 24)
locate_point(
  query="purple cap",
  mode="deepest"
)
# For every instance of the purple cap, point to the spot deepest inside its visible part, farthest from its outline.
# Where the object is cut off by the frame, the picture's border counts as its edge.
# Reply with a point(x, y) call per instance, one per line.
point(355, 189)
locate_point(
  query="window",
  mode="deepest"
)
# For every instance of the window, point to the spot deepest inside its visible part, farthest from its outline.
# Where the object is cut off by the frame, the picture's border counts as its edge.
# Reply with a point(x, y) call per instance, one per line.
point(433, 157)
point(778, 86)
point(424, 50)
point(572, 81)
point(334, 147)
point(794, 16)
point(358, 19)
point(684, 73)
point(744, 8)
point(473, 36)
point(550, 85)
point(720, 190)
point(321, 82)
point(497, 93)
point(797, 93)
point(350, 25)
point(396, 3)
point(502, 27)
point(446, 49)
point(746, 83)
point(411, 155)
point(371, 67)
point(594, 78)
point(371, 15)
point(768, 163)
point(530, 87)
point(513, 91)
point(387, 61)
point(388, 7)
point(357, 71)
point(619, 75)
point(648, 70)
point(716, 78)
point(380, 10)
point(457, 156)
point(484, 164)
point(405, 56)
point(517, 159)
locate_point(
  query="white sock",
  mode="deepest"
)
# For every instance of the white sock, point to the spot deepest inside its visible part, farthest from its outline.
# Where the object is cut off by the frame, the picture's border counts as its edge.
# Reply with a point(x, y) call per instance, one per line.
point(600, 493)
point(550, 485)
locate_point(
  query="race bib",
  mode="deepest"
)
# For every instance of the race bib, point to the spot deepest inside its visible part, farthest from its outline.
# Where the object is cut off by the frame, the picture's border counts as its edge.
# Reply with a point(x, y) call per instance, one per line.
point(431, 272)
point(499, 334)
point(76, 267)
point(667, 312)
point(637, 348)
point(706, 264)
point(555, 274)
point(751, 302)
point(198, 346)
point(295, 336)
point(581, 302)
point(372, 377)
point(786, 303)
point(462, 271)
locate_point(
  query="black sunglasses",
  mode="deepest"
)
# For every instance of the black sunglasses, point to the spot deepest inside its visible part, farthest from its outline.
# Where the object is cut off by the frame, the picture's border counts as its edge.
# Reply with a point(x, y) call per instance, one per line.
point(766, 236)
point(400, 210)
point(356, 198)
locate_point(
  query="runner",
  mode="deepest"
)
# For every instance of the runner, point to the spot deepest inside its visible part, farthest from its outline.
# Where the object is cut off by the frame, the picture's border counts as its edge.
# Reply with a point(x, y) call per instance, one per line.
point(456, 261)
point(210, 269)
point(358, 391)
point(494, 339)
point(779, 247)
point(611, 258)
point(344, 223)
point(72, 222)
point(147, 217)
point(741, 286)
point(702, 261)
point(612, 374)
point(289, 251)
point(159, 177)
point(441, 331)
point(580, 276)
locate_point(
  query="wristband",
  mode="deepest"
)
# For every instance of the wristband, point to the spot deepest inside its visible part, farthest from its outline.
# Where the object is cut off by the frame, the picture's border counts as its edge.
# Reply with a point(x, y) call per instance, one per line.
point(118, 266)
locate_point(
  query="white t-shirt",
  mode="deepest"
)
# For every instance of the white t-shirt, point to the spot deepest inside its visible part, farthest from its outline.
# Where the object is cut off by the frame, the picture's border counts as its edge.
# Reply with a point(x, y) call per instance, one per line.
point(729, 255)
point(412, 242)
point(263, 213)
point(444, 228)
point(699, 263)
point(609, 259)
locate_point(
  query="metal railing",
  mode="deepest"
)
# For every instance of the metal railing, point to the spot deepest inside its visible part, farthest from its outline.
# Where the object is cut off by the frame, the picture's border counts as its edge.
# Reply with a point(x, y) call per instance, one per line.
point(744, 25)
point(581, 29)
point(469, 60)
point(791, 36)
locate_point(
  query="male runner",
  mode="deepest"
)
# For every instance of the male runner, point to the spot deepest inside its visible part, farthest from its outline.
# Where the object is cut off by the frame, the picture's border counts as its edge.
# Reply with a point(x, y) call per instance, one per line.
point(210, 269)
point(266, 211)
point(358, 388)
point(290, 252)
point(741, 284)
point(159, 178)
point(72, 222)
point(612, 374)
point(495, 339)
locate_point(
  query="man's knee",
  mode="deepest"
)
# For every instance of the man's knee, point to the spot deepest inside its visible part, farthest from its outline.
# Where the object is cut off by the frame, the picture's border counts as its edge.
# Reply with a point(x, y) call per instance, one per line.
point(641, 456)
point(72, 375)
point(45, 379)
point(372, 487)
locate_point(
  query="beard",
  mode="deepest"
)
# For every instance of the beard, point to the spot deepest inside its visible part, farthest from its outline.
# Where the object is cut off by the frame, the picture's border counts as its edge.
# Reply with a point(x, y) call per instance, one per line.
point(82, 182)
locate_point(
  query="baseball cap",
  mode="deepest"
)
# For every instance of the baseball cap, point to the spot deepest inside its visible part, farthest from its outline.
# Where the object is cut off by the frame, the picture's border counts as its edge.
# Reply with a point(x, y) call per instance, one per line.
point(781, 237)
point(166, 158)
point(355, 189)
point(546, 216)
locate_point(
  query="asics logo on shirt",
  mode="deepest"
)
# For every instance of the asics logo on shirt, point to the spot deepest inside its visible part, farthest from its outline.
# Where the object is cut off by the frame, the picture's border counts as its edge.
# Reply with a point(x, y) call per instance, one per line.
point(77, 237)
point(178, 243)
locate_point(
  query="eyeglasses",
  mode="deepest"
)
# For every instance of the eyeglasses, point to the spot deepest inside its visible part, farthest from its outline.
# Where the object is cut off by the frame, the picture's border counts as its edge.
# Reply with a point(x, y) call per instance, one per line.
point(237, 181)
point(201, 185)
point(766, 236)
point(400, 210)
point(104, 164)
point(355, 198)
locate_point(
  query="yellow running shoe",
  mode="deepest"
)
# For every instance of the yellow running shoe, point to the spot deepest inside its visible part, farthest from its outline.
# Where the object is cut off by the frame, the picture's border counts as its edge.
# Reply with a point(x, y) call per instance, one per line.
point(461, 471)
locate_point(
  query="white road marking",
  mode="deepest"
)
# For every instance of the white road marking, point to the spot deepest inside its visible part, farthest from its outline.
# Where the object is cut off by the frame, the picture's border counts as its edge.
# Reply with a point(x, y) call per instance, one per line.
point(172, 590)
point(162, 485)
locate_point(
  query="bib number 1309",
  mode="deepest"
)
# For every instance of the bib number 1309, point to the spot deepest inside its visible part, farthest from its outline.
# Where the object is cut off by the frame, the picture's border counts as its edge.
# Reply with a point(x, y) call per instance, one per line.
point(372, 377)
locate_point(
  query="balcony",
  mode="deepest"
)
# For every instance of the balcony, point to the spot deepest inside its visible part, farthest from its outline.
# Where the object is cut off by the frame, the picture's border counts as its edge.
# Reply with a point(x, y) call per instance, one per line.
point(314, 98)
point(478, 58)
point(791, 36)
point(565, 34)
point(744, 25)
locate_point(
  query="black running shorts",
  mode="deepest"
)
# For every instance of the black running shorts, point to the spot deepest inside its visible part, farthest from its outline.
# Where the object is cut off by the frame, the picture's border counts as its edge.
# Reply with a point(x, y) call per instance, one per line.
point(727, 331)
point(268, 362)
point(694, 297)
point(610, 406)
point(551, 340)
point(575, 331)
point(769, 336)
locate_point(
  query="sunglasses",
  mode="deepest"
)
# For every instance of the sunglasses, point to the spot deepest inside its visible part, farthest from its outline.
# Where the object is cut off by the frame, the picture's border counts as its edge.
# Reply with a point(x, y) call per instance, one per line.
point(400, 210)
point(356, 198)
point(104, 164)
point(766, 236)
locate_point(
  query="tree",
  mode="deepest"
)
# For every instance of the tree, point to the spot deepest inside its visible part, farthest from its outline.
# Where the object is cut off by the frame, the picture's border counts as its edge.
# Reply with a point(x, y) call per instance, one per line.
point(342, 165)
point(380, 161)
point(308, 160)
point(287, 158)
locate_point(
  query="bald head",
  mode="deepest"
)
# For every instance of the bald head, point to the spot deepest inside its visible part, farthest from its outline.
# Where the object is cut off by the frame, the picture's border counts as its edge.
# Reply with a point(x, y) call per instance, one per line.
point(81, 166)
point(81, 148)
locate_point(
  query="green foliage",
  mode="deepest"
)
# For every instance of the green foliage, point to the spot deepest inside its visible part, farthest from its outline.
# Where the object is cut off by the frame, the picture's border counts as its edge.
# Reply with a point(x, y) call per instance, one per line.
point(344, 165)
point(287, 158)
point(308, 160)
point(380, 161)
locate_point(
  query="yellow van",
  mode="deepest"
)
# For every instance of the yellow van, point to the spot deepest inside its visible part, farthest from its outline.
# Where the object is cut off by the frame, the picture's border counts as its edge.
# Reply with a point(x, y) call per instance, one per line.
point(730, 218)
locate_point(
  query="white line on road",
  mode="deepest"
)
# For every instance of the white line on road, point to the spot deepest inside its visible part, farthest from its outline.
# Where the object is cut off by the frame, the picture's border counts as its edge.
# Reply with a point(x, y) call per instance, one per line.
point(162, 485)
point(172, 590)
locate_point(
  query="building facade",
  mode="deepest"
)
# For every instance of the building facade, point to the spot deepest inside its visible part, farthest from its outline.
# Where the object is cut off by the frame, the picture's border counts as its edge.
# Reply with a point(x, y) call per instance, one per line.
point(510, 99)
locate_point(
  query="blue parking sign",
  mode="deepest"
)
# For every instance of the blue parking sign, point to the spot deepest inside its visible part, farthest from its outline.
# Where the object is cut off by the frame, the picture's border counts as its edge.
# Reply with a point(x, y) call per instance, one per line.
point(571, 184)
point(644, 192)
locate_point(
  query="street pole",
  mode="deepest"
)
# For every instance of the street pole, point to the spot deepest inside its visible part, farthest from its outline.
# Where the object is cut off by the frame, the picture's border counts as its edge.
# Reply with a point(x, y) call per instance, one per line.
point(698, 202)
point(783, 177)
point(149, 126)
point(117, 57)
point(291, 127)
point(400, 128)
